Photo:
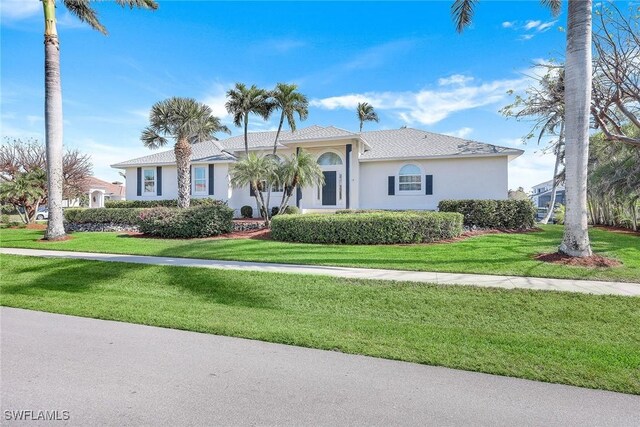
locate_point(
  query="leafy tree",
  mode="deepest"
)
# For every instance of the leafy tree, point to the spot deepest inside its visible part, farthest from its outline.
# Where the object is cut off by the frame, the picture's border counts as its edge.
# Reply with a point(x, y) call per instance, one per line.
point(289, 102)
point(24, 160)
point(543, 104)
point(25, 192)
point(243, 101)
point(53, 98)
point(366, 113)
point(577, 85)
point(187, 122)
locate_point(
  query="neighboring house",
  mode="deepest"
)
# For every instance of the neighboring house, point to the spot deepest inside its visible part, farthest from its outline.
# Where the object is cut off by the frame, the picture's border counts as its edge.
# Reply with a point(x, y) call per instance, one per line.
point(387, 169)
point(99, 191)
point(541, 194)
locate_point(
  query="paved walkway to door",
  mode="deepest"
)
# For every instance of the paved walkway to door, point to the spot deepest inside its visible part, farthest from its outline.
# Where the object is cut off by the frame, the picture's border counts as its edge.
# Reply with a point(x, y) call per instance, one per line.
point(482, 280)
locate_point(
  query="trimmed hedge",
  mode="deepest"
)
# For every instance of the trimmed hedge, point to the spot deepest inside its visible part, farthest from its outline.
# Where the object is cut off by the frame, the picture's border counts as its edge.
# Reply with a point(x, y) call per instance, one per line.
point(289, 210)
point(169, 203)
point(506, 214)
point(199, 221)
point(124, 216)
point(367, 228)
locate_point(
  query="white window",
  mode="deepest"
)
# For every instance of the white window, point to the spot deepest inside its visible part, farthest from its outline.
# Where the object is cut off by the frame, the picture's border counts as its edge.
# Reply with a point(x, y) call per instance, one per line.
point(329, 159)
point(410, 178)
point(149, 181)
point(199, 180)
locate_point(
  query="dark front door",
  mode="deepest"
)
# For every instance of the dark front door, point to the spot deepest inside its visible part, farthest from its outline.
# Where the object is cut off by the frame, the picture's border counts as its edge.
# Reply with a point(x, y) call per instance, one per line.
point(329, 188)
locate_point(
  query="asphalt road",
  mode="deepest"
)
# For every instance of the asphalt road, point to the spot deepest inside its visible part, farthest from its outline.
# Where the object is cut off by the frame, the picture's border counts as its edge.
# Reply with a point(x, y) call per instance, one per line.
point(110, 373)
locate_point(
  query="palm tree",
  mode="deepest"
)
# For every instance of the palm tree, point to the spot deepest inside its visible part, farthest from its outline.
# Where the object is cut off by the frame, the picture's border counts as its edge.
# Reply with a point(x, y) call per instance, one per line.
point(299, 170)
point(53, 99)
point(366, 113)
point(187, 122)
point(289, 101)
point(252, 169)
point(244, 101)
point(577, 97)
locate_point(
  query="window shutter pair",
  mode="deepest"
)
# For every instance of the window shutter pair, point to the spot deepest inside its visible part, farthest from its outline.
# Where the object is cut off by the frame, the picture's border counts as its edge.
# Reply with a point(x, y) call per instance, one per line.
point(428, 185)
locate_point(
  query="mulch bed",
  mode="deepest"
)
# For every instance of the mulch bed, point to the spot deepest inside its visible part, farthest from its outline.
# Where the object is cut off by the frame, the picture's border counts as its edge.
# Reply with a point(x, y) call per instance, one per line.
point(591, 261)
point(262, 234)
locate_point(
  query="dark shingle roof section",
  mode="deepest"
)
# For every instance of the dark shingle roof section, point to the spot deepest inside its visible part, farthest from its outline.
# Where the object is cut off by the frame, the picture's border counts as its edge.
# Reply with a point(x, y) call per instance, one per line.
point(414, 143)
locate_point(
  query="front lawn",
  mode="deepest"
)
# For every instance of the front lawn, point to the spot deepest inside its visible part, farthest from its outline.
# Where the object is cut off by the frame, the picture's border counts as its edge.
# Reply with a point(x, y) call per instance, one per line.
point(508, 254)
point(584, 340)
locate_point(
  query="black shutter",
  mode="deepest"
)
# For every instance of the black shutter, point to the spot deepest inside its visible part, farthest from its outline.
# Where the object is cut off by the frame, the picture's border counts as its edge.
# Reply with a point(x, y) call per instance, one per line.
point(251, 192)
point(211, 180)
point(159, 180)
point(428, 184)
point(139, 182)
point(190, 180)
point(391, 186)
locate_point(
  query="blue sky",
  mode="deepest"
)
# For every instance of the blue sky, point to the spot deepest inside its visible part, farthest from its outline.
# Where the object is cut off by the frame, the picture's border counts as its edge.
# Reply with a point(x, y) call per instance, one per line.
point(404, 58)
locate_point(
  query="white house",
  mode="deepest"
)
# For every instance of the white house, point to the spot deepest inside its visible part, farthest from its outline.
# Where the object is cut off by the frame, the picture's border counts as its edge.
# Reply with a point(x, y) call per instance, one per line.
point(386, 169)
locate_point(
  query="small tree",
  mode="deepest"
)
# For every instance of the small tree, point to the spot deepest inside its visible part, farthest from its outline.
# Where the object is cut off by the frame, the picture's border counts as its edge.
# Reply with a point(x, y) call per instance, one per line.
point(298, 171)
point(243, 101)
point(26, 192)
point(366, 113)
point(256, 171)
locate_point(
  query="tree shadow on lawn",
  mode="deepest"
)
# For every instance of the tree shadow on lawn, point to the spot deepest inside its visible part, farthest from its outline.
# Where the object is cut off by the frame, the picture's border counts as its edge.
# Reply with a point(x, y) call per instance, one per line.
point(122, 279)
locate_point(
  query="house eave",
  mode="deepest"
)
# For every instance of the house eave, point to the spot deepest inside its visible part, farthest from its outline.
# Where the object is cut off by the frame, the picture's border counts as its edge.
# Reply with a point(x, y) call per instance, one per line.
point(511, 156)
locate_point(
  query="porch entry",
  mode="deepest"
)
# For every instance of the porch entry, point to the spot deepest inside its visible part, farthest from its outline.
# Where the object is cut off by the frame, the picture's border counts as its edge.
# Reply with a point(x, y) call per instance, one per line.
point(329, 189)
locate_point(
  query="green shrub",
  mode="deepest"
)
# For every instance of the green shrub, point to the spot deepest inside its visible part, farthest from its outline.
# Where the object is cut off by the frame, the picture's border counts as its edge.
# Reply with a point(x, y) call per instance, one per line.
point(124, 216)
point(506, 214)
point(291, 210)
point(367, 228)
point(246, 211)
point(8, 210)
point(174, 223)
point(170, 203)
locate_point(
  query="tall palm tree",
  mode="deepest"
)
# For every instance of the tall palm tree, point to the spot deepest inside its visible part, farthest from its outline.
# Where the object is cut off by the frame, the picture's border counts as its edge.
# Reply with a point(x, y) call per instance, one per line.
point(290, 102)
point(187, 122)
point(53, 98)
point(366, 113)
point(577, 97)
point(244, 101)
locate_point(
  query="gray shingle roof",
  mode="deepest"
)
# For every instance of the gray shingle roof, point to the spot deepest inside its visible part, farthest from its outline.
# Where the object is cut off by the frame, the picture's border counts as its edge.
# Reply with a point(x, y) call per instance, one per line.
point(207, 151)
point(415, 143)
point(383, 144)
point(265, 139)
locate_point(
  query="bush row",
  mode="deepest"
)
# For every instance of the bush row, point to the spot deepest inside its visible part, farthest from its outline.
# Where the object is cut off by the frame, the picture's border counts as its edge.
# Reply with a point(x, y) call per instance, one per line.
point(125, 216)
point(199, 221)
point(507, 214)
point(367, 228)
point(171, 203)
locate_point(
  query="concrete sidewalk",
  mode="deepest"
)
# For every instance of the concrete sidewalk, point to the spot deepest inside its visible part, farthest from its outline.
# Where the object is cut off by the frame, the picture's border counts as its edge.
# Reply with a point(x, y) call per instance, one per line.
point(506, 282)
point(119, 374)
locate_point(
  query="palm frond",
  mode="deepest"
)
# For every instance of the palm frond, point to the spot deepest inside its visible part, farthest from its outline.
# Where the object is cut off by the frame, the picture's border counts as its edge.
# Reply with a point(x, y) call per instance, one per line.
point(462, 11)
point(141, 4)
point(84, 12)
point(151, 139)
point(554, 5)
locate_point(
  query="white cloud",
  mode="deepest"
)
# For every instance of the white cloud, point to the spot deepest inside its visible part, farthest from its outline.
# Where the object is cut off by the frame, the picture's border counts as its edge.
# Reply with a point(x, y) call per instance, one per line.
point(529, 25)
point(530, 169)
point(454, 79)
point(546, 26)
point(19, 9)
point(526, 37)
point(428, 106)
point(216, 98)
point(460, 133)
point(508, 24)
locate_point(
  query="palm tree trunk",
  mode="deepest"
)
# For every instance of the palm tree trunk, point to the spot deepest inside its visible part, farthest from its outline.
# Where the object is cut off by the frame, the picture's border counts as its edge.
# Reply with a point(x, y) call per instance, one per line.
point(246, 136)
point(577, 102)
point(275, 150)
point(554, 186)
point(361, 123)
point(182, 151)
point(53, 122)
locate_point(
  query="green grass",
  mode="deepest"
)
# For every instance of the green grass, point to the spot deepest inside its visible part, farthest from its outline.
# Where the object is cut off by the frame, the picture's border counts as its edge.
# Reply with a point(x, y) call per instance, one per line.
point(509, 254)
point(584, 340)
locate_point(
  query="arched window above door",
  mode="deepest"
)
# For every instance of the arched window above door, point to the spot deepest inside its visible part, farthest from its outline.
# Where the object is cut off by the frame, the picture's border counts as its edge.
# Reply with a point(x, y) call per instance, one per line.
point(328, 159)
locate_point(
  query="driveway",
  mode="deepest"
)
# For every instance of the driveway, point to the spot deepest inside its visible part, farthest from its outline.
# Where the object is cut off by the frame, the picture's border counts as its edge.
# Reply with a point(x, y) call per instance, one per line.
point(110, 373)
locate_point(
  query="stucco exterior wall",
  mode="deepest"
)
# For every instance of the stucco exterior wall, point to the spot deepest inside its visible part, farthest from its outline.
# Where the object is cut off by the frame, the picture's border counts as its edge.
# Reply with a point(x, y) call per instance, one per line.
point(464, 178)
